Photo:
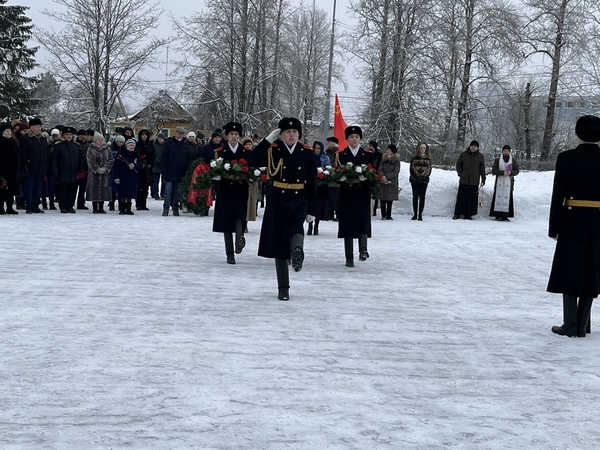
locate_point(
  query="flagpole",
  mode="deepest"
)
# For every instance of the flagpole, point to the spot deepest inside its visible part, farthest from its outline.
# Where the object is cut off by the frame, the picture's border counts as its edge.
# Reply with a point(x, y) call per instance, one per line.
point(329, 74)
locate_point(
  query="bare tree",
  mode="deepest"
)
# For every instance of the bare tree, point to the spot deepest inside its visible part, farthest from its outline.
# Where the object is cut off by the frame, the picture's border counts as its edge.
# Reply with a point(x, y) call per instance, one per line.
point(102, 49)
point(557, 30)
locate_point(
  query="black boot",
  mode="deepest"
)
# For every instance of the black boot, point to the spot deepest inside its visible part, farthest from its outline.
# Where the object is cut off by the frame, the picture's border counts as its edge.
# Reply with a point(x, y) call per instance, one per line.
point(165, 211)
point(111, 206)
point(101, 208)
point(94, 207)
point(362, 247)
point(52, 205)
point(297, 251)
point(2, 212)
point(228, 237)
point(316, 230)
point(349, 251)
point(9, 207)
point(310, 229)
point(584, 308)
point(415, 202)
point(128, 210)
point(421, 208)
point(569, 326)
point(122, 207)
point(44, 204)
point(283, 279)
point(240, 240)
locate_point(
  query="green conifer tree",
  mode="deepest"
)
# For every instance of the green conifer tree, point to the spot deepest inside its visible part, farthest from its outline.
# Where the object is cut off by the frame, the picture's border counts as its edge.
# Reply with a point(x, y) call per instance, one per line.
point(16, 59)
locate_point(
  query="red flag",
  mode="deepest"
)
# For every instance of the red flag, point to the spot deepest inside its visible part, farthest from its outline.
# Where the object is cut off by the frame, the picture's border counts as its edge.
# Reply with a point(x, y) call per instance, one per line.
point(339, 124)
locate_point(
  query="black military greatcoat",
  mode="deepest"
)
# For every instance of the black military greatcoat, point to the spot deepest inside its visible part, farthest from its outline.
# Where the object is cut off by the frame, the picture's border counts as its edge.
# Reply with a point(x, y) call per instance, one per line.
point(576, 264)
point(354, 214)
point(232, 195)
point(287, 206)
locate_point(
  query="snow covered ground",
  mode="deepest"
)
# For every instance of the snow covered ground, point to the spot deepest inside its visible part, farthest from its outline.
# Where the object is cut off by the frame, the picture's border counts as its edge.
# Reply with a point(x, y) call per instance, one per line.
point(121, 332)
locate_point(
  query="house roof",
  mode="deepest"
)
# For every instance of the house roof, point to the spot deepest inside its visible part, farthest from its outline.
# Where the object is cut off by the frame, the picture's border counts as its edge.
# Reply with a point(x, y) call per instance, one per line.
point(163, 108)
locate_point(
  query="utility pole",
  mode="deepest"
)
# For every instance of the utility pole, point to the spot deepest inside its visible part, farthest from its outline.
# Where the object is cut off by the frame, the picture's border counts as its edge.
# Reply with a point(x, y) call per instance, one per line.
point(325, 122)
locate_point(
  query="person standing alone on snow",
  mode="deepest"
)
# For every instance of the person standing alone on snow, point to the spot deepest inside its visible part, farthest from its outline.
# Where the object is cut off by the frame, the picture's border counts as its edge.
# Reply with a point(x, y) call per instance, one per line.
point(505, 168)
point(420, 170)
point(470, 168)
point(575, 223)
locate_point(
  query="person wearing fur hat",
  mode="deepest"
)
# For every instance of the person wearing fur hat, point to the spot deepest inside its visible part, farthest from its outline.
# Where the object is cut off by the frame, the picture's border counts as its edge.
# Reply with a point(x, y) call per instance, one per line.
point(231, 195)
point(470, 168)
point(420, 171)
point(34, 152)
point(68, 167)
point(127, 168)
point(574, 223)
point(291, 200)
point(389, 169)
point(100, 162)
point(9, 169)
point(505, 168)
point(355, 199)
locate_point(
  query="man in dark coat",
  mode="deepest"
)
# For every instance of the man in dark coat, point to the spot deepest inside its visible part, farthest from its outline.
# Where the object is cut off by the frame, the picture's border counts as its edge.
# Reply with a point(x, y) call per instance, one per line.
point(9, 169)
point(174, 162)
point(292, 199)
point(232, 195)
point(355, 198)
point(574, 223)
point(33, 147)
point(68, 166)
point(470, 168)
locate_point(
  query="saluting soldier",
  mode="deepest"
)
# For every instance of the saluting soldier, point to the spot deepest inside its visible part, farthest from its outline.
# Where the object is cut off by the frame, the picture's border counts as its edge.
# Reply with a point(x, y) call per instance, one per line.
point(291, 200)
point(355, 198)
point(232, 195)
point(574, 223)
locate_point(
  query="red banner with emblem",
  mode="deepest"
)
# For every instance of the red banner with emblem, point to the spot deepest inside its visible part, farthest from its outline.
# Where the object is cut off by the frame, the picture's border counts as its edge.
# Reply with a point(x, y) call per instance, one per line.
point(339, 124)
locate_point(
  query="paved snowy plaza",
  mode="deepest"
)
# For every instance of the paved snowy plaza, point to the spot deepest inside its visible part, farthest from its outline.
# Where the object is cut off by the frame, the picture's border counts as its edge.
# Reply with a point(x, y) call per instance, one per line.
point(121, 332)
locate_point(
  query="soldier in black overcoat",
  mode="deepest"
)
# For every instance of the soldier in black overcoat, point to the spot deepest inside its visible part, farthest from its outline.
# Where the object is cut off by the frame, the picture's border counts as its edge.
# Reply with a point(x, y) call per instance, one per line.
point(291, 200)
point(355, 198)
point(575, 223)
point(232, 195)
point(68, 166)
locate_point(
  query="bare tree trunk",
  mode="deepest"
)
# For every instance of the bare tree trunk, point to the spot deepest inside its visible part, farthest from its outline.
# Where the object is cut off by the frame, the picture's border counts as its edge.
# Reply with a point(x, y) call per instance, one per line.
point(527, 122)
point(465, 80)
point(554, 77)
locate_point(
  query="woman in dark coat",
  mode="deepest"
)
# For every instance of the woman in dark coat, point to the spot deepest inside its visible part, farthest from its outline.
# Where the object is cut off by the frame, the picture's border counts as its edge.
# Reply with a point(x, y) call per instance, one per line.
point(100, 161)
point(505, 168)
point(470, 168)
point(290, 201)
point(125, 171)
point(389, 169)
point(146, 152)
point(322, 213)
point(232, 195)
point(420, 170)
point(68, 167)
point(9, 169)
point(355, 199)
point(574, 223)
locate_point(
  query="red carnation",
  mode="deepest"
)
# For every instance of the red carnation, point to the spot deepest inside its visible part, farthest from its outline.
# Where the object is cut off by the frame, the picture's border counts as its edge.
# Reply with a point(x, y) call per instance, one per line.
point(235, 161)
point(370, 166)
point(320, 175)
point(379, 177)
point(244, 169)
point(242, 161)
point(263, 177)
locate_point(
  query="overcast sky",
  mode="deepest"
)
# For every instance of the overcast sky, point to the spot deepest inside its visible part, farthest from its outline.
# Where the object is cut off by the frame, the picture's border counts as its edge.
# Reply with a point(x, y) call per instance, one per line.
point(183, 8)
